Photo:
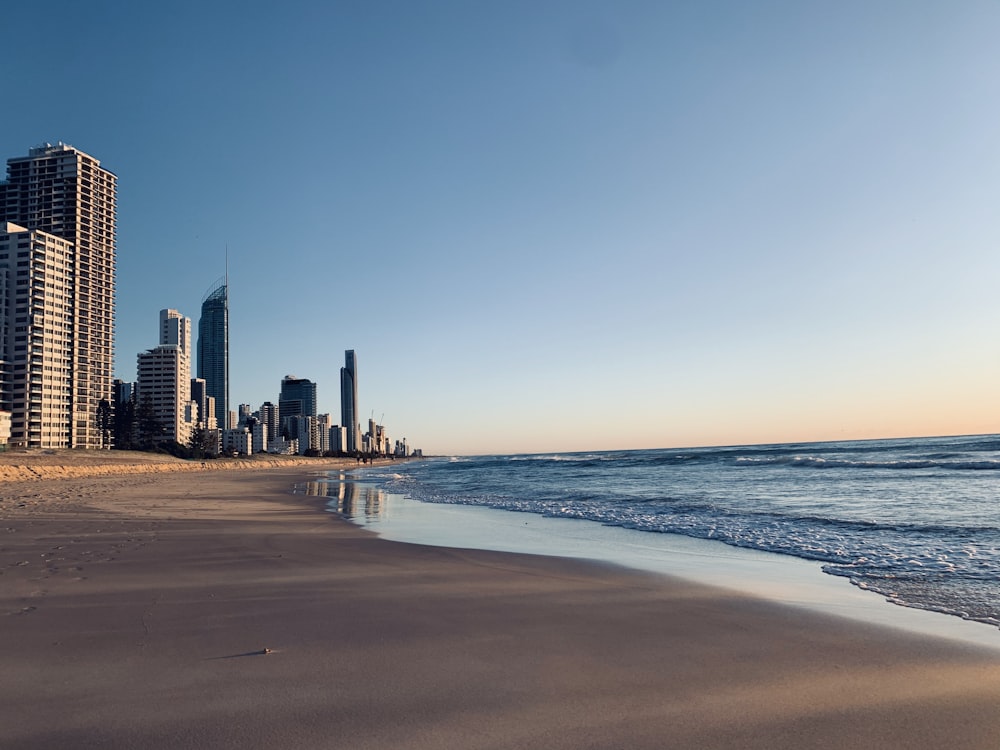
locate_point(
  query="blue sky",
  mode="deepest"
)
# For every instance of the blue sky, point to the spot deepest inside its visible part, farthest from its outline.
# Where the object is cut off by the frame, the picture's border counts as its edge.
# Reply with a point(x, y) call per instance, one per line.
point(562, 225)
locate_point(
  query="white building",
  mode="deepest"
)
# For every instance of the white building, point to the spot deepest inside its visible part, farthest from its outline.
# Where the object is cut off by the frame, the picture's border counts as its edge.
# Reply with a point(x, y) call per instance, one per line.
point(283, 447)
point(38, 345)
point(237, 440)
point(164, 381)
point(258, 434)
point(308, 432)
point(338, 439)
point(323, 425)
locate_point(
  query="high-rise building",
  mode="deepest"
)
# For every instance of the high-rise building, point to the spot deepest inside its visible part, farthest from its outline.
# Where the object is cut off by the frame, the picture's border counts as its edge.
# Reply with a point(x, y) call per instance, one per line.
point(298, 397)
point(269, 415)
point(163, 385)
point(199, 394)
point(349, 400)
point(65, 193)
point(37, 344)
point(213, 348)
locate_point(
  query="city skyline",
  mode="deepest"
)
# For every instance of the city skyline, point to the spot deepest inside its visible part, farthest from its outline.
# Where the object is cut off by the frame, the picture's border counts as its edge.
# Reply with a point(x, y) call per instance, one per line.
point(560, 226)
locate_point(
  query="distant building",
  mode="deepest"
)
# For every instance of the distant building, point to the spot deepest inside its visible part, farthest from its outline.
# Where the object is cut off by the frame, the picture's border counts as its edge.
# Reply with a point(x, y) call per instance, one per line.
point(237, 441)
point(323, 424)
point(282, 446)
point(163, 384)
point(338, 439)
point(308, 433)
point(349, 400)
point(298, 397)
point(60, 291)
point(199, 394)
point(259, 437)
point(213, 348)
point(5, 417)
point(270, 415)
point(122, 391)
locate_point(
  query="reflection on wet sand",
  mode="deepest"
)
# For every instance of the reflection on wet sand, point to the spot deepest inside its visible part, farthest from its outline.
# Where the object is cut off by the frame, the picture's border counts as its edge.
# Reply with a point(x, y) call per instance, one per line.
point(348, 497)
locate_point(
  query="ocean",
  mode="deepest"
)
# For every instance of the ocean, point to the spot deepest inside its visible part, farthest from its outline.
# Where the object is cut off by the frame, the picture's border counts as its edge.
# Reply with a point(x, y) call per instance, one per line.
point(915, 520)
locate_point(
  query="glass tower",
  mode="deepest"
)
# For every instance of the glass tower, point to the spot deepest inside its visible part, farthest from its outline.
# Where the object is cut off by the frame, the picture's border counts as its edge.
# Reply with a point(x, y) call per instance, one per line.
point(213, 348)
point(349, 399)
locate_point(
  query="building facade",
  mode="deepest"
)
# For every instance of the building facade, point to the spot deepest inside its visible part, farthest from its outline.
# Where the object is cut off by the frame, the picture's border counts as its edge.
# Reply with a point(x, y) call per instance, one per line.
point(37, 341)
point(213, 349)
point(270, 416)
point(163, 385)
point(297, 399)
point(65, 193)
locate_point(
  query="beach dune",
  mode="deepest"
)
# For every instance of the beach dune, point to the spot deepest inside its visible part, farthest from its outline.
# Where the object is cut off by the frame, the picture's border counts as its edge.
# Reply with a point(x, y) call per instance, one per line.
point(216, 609)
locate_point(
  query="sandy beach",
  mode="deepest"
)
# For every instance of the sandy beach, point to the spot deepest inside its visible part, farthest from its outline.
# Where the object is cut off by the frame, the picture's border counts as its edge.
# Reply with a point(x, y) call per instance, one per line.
point(215, 609)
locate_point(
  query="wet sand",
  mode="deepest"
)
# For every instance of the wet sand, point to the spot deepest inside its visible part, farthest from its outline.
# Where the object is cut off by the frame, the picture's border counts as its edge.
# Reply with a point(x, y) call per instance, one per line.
point(217, 610)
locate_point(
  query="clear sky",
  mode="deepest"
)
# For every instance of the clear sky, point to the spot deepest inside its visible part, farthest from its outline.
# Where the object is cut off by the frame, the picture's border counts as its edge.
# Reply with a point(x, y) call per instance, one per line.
point(553, 225)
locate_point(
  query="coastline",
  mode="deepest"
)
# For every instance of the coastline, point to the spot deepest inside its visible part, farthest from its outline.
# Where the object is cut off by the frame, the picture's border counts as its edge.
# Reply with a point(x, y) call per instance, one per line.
point(138, 610)
point(780, 578)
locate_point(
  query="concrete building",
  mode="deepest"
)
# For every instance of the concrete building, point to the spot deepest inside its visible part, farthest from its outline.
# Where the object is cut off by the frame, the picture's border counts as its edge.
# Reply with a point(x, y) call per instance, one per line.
point(259, 437)
point(164, 381)
point(5, 419)
point(38, 342)
point(213, 348)
point(282, 446)
point(237, 441)
point(66, 194)
point(270, 415)
point(349, 401)
point(206, 405)
point(338, 439)
point(307, 434)
point(323, 424)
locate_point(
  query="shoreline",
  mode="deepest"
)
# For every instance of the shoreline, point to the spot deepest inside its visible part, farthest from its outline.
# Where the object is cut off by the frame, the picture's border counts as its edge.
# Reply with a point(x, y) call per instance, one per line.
point(146, 604)
point(785, 579)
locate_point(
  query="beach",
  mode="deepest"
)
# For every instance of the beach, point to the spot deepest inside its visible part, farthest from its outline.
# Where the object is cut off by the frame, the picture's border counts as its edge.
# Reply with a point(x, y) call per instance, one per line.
point(216, 609)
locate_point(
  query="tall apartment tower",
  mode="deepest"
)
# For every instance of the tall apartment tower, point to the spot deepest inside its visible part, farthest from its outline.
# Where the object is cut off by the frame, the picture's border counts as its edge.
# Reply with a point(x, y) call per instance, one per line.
point(270, 415)
point(349, 400)
point(213, 348)
point(64, 193)
point(36, 336)
point(164, 379)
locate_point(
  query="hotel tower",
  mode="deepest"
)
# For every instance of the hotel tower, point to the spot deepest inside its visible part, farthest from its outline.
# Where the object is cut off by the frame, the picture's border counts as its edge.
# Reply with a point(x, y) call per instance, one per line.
point(57, 297)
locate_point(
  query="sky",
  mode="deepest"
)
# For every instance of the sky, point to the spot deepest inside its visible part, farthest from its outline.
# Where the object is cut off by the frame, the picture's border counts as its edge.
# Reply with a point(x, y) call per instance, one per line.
point(555, 225)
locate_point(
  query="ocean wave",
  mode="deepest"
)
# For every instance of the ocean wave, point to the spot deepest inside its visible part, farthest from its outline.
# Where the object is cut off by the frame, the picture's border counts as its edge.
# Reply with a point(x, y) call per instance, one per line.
point(818, 462)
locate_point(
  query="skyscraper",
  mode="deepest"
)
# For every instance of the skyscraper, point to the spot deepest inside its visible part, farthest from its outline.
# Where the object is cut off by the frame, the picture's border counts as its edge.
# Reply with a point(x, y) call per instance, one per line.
point(213, 348)
point(64, 193)
point(349, 399)
point(36, 343)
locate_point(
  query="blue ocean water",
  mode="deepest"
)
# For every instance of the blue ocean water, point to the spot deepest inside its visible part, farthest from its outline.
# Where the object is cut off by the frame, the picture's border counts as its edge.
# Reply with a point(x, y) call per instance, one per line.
point(916, 520)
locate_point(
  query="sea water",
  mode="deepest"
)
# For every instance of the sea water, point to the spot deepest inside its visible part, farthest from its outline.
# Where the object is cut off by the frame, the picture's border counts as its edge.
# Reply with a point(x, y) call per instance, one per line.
point(915, 520)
